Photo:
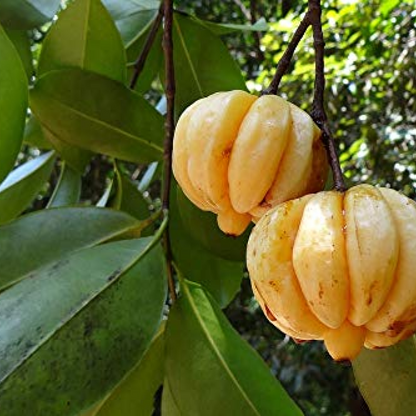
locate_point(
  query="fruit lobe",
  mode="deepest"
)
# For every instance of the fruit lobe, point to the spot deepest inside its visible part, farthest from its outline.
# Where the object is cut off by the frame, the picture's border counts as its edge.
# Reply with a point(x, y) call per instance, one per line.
point(350, 257)
point(238, 155)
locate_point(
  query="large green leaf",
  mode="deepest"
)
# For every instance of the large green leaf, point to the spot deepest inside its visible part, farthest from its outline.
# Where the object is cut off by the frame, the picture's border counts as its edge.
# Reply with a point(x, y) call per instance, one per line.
point(169, 406)
point(23, 184)
point(27, 14)
point(226, 28)
point(85, 37)
point(72, 331)
point(134, 396)
point(99, 114)
point(387, 379)
point(211, 370)
point(221, 277)
point(203, 228)
point(13, 104)
point(44, 237)
point(132, 17)
point(34, 136)
point(68, 188)
point(202, 63)
point(21, 42)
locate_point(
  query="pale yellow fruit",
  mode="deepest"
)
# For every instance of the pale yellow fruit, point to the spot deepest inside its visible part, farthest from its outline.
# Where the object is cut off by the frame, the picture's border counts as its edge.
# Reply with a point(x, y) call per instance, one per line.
point(372, 249)
point(269, 253)
point(345, 342)
point(268, 119)
point(349, 259)
point(319, 258)
point(400, 305)
point(231, 148)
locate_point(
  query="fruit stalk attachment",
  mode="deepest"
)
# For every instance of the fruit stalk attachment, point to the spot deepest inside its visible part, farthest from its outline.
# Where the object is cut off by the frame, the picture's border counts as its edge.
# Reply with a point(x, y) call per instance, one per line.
point(312, 18)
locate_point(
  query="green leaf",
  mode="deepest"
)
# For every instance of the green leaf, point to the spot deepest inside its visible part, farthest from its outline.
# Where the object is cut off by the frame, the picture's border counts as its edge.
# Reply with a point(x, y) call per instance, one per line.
point(387, 379)
point(13, 104)
point(203, 64)
point(169, 407)
point(99, 114)
point(23, 184)
point(101, 308)
point(134, 396)
point(220, 277)
point(68, 189)
point(203, 228)
point(46, 236)
point(33, 135)
point(132, 17)
point(84, 36)
point(211, 370)
point(27, 14)
point(220, 29)
point(148, 176)
point(21, 42)
point(128, 197)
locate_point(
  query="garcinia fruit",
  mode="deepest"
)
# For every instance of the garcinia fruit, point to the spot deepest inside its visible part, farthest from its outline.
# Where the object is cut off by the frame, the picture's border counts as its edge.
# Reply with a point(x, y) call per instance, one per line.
point(338, 267)
point(238, 155)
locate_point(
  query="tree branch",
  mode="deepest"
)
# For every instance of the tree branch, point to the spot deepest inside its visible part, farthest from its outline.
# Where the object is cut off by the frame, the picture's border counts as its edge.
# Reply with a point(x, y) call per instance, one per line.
point(141, 60)
point(284, 62)
point(318, 110)
point(170, 128)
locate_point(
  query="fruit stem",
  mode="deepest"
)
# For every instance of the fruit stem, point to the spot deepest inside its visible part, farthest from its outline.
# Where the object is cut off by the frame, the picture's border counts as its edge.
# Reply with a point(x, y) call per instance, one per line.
point(141, 60)
point(169, 131)
point(284, 61)
point(318, 110)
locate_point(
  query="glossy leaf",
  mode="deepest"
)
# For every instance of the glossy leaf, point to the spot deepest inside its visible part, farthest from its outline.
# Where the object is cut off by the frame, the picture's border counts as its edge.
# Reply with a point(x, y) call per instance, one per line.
point(132, 17)
point(211, 370)
point(134, 396)
point(23, 184)
point(203, 64)
point(169, 407)
point(46, 236)
point(33, 135)
point(226, 28)
point(27, 14)
point(68, 188)
point(387, 379)
point(99, 114)
point(203, 228)
point(13, 104)
point(85, 37)
point(148, 176)
point(220, 277)
point(21, 42)
point(64, 356)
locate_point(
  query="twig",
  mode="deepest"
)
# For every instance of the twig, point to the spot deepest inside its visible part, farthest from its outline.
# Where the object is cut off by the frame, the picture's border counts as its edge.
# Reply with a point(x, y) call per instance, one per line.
point(141, 60)
point(257, 35)
point(318, 110)
point(284, 62)
point(169, 126)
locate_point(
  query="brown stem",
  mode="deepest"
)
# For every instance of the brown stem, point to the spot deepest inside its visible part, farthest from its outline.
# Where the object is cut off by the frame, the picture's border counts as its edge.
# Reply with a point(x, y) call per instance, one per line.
point(141, 60)
point(169, 128)
point(284, 62)
point(318, 110)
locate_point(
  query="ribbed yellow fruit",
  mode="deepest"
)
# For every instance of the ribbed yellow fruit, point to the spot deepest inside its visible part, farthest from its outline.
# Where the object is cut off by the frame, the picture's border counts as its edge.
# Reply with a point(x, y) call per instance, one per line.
point(238, 155)
point(338, 267)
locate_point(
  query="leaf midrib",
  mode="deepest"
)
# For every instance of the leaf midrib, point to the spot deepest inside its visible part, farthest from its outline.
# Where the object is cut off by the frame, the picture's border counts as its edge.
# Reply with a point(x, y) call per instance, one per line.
point(188, 56)
point(103, 124)
point(216, 350)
